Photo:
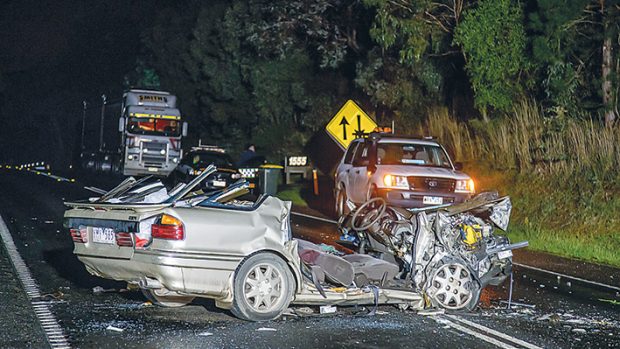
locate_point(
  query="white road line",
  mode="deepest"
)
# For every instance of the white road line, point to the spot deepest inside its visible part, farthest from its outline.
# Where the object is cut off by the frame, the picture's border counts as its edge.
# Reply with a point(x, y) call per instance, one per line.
point(478, 335)
point(568, 276)
point(615, 288)
point(47, 320)
point(494, 332)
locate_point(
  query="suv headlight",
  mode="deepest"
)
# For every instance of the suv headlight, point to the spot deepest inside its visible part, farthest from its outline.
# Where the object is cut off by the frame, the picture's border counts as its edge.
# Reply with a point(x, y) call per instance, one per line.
point(465, 186)
point(393, 181)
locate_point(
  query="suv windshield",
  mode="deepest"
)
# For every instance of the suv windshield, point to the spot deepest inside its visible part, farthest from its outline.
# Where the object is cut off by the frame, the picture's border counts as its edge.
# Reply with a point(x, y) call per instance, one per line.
point(412, 154)
point(151, 126)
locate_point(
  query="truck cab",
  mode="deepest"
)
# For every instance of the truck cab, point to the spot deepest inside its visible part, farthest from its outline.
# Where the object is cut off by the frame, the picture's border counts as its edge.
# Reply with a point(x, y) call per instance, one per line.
point(151, 129)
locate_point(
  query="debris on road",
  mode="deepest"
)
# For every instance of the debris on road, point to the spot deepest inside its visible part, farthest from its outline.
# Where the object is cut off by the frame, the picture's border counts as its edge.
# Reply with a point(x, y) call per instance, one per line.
point(431, 312)
point(205, 334)
point(327, 309)
point(266, 329)
point(114, 329)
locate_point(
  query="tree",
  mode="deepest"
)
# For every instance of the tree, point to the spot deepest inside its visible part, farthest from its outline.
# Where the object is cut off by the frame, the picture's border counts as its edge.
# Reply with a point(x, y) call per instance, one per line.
point(493, 42)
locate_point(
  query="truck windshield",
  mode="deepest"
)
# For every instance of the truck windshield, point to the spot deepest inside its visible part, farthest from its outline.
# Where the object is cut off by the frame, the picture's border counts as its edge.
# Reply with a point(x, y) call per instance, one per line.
point(150, 126)
point(412, 154)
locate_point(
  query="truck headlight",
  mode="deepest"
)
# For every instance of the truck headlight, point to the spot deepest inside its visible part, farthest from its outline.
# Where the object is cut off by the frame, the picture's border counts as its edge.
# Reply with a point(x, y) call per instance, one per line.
point(465, 186)
point(162, 152)
point(393, 181)
point(129, 157)
point(175, 160)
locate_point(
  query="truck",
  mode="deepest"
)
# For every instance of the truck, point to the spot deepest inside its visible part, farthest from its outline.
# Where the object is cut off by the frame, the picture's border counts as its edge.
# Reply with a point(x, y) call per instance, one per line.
point(146, 140)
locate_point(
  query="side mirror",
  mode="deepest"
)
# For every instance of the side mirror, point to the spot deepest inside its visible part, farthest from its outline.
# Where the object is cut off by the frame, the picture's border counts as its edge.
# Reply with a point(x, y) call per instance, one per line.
point(121, 124)
point(458, 166)
point(184, 133)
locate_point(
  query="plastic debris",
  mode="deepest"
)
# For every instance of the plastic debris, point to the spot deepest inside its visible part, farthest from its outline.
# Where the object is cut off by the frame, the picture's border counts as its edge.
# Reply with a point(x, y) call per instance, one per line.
point(304, 311)
point(266, 329)
point(100, 290)
point(327, 309)
point(579, 330)
point(205, 334)
point(115, 329)
point(49, 222)
point(431, 312)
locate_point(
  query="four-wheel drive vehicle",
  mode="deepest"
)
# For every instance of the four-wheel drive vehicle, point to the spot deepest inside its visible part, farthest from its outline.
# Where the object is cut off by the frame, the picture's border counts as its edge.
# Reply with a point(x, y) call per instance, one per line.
point(183, 243)
point(405, 172)
point(198, 158)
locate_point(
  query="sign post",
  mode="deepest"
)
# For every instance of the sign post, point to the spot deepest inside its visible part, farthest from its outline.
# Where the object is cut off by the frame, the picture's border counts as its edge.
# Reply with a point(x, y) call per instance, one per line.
point(349, 123)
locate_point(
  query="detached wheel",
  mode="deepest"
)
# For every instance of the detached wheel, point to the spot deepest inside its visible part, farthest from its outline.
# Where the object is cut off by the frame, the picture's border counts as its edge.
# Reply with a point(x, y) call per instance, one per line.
point(263, 288)
point(162, 298)
point(453, 287)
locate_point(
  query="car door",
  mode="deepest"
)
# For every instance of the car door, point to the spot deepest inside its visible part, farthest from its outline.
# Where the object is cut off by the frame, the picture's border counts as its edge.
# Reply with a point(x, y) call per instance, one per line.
point(358, 175)
point(343, 172)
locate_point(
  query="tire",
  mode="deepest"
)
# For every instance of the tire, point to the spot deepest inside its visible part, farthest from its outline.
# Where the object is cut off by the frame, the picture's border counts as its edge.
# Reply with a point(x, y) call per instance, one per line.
point(451, 286)
point(159, 297)
point(341, 202)
point(263, 288)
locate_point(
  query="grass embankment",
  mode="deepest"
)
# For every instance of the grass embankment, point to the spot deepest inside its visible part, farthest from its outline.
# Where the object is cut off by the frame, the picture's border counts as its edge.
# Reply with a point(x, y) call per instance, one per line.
point(293, 193)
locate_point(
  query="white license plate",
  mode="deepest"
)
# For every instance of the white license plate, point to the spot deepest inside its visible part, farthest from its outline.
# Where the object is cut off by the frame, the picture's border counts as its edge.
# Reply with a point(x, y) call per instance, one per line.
point(504, 254)
point(432, 200)
point(104, 235)
point(153, 169)
point(219, 183)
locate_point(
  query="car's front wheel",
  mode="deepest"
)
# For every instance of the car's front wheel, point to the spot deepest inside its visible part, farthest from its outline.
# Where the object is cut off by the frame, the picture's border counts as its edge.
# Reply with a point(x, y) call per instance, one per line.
point(163, 298)
point(263, 288)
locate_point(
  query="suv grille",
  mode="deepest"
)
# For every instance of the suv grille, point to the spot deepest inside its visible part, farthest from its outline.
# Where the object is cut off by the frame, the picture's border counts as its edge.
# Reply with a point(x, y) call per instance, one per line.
point(440, 185)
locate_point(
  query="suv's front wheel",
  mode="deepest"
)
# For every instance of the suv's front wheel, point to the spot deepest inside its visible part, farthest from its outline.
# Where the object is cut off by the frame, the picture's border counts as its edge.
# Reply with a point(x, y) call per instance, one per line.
point(341, 208)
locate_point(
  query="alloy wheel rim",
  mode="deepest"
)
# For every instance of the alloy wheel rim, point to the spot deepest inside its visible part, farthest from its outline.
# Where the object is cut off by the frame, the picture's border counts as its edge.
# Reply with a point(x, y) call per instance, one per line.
point(263, 287)
point(451, 286)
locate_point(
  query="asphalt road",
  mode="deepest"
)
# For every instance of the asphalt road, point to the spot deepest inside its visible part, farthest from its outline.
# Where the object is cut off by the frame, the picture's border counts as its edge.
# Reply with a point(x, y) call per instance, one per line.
point(557, 312)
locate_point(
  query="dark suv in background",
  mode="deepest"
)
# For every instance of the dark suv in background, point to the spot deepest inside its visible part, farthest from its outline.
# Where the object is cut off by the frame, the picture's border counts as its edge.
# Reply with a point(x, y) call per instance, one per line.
point(198, 158)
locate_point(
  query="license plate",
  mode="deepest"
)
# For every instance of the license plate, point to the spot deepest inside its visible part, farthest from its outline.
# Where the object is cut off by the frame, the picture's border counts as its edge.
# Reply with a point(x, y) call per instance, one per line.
point(153, 169)
point(219, 183)
point(432, 200)
point(504, 254)
point(104, 235)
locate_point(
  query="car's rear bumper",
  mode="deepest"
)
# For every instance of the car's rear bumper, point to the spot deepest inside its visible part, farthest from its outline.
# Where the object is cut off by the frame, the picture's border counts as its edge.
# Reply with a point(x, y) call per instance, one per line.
point(206, 274)
point(413, 199)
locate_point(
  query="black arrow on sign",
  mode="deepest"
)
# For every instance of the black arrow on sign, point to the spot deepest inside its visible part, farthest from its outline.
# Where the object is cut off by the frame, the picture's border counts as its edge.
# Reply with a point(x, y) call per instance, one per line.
point(359, 132)
point(344, 124)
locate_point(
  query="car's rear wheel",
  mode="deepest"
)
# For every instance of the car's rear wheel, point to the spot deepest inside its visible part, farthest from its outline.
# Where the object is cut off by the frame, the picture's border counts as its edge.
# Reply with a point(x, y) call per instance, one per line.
point(163, 298)
point(263, 288)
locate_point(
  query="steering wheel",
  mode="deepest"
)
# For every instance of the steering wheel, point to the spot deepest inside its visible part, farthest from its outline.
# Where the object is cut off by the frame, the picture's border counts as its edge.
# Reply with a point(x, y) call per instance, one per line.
point(369, 218)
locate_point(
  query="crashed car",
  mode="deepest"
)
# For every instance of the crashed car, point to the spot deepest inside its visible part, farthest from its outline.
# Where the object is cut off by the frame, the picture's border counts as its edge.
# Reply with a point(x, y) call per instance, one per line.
point(448, 253)
point(183, 243)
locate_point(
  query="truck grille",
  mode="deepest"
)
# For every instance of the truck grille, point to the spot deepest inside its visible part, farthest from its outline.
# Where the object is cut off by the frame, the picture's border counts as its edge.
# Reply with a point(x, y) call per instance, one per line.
point(438, 185)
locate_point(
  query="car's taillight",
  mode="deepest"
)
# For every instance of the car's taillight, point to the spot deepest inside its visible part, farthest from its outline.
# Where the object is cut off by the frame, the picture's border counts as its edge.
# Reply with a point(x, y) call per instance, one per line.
point(124, 239)
point(168, 227)
point(79, 235)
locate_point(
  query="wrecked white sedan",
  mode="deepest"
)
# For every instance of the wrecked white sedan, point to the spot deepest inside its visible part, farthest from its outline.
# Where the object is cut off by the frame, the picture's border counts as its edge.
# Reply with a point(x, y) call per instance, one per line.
point(180, 244)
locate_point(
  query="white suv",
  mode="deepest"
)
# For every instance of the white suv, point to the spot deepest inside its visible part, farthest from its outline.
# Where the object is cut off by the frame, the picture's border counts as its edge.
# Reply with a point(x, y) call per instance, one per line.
point(406, 172)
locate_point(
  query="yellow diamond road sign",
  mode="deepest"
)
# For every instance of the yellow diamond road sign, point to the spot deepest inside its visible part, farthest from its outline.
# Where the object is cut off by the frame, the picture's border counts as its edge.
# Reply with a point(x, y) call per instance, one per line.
point(349, 123)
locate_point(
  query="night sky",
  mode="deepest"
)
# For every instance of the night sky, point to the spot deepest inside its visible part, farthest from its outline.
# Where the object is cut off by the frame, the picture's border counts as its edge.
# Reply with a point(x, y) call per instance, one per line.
point(53, 55)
